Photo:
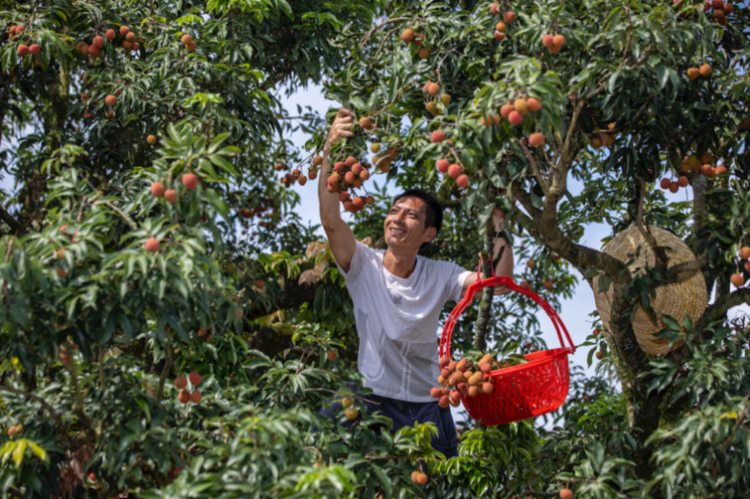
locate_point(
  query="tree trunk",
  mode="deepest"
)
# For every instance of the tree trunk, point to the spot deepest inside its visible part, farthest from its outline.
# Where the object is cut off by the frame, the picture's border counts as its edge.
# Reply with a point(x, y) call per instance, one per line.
point(644, 410)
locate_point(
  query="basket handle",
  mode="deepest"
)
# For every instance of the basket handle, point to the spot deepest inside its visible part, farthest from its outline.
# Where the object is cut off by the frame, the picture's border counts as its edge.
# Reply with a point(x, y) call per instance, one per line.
point(446, 335)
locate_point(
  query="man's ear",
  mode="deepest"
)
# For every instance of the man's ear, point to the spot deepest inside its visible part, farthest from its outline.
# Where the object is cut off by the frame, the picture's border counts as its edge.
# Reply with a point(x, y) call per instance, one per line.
point(429, 234)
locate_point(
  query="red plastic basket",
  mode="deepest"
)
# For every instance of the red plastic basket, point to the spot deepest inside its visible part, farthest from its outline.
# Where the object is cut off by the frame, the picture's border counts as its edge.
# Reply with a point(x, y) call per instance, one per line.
point(521, 391)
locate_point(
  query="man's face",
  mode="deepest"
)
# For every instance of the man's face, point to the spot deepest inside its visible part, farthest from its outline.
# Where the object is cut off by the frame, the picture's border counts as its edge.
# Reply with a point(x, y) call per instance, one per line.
point(404, 224)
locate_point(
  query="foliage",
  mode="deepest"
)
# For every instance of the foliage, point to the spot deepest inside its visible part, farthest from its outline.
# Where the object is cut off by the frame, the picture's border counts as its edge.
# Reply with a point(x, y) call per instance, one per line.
point(96, 326)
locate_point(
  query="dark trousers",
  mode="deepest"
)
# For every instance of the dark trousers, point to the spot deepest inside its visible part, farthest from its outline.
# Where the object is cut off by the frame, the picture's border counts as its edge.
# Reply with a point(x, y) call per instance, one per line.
point(404, 413)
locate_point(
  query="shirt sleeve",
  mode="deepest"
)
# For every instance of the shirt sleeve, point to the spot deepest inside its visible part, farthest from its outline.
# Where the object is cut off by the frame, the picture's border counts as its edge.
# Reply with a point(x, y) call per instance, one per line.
point(456, 277)
point(359, 259)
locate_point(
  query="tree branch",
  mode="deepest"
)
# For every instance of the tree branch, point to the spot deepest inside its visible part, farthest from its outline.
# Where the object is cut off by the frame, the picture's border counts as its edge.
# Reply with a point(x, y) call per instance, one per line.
point(684, 270)
point(14, 224)
point(719, 309)
point(547, 232)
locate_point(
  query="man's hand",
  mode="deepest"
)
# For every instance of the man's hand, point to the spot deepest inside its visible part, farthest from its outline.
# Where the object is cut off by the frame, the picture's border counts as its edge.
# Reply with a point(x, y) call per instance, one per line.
point(502, 254)
point(340, 128)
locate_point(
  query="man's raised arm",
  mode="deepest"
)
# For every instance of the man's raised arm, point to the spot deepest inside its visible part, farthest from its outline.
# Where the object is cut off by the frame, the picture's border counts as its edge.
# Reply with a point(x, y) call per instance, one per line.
point(339, 234)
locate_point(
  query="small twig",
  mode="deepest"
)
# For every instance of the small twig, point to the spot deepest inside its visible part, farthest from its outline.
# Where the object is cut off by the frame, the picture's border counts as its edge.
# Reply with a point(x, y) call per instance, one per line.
point(535, 170)
point(84, 203)
point(124, 216)
point(165, 369)
point(374, 29)
point(564, 160)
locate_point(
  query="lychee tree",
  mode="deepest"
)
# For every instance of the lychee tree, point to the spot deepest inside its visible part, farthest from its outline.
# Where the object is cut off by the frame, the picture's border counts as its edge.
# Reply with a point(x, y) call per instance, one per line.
point(569, 114)
point(139, 230)
point(168, 327)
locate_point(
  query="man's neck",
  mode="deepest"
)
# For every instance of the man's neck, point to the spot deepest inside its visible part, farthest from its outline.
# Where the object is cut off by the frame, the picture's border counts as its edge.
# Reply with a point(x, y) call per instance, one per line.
point(399, 264)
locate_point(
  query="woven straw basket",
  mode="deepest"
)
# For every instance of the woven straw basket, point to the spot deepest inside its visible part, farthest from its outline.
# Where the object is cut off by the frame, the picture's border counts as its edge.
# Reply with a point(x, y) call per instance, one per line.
point(688, 296)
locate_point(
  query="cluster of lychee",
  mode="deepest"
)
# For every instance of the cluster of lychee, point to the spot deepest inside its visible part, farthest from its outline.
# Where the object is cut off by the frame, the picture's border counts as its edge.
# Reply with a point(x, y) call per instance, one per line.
point(515, 112)
point(158, 190)
point(453, 170)
point(382, 161)
point(463, 377)
point(599, 354)
point(188, 42)
point(553, 42)
point(128, 41)
point(184, 395)
point(23, 49)
point(720, 10)
point(350, 412)
point(410, 37)
point(15, 30)
point(673, 185)
point(703, 165)
point(432, 90)
point(502, 26)
point(14, 430)
point(110, 100)
point(294, 176)
point(738, 278)
point(346, 175)
point(603, 138)
point(189, 180)
point(703, 71)
point(252, 212)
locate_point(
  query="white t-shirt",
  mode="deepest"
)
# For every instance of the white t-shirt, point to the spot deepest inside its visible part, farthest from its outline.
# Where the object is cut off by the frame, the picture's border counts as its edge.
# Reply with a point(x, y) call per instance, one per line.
point(397, 321)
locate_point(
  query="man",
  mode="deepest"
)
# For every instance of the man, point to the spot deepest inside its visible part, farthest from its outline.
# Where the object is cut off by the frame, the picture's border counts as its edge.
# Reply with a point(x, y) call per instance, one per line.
point(398, 296)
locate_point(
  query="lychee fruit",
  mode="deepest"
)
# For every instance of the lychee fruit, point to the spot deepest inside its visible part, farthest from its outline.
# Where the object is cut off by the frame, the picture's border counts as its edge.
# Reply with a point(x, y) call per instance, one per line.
point(170, 196)
point(151, 245)
point(190, 181)
point(157, 189)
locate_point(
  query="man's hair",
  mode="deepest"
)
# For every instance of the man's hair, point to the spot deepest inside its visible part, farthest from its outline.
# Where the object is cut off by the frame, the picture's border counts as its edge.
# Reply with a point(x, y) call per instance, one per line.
point(434, 209)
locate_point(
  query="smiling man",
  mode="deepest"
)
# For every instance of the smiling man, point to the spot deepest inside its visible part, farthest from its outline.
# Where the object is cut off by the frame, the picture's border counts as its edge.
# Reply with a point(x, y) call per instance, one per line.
point(398, 296)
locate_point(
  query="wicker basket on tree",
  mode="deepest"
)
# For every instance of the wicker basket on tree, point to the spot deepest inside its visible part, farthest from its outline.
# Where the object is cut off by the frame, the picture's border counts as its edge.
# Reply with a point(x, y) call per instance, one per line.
point(688, 296)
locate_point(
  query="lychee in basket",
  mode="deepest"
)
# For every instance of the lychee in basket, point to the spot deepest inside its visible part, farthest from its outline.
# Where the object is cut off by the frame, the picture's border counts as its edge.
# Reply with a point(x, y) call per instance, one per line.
point(521, 391)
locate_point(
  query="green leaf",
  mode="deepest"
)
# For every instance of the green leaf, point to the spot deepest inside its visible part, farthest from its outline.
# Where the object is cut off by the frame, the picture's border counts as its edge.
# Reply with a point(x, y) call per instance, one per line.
point(38, 451)
point(18, 452)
